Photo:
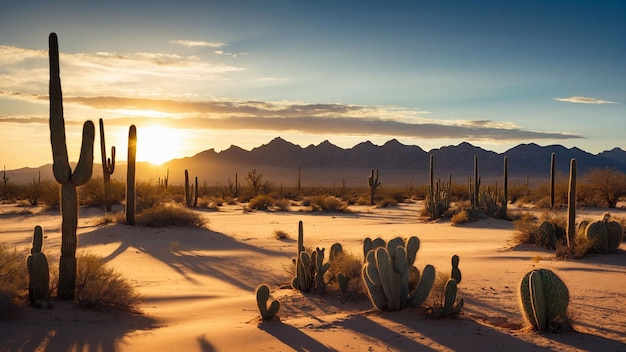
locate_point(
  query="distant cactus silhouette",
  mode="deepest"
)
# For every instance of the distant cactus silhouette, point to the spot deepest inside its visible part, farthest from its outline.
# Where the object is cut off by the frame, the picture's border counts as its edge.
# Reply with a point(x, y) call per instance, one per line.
point(373, 183)
point(131, 193)
point(108, 167)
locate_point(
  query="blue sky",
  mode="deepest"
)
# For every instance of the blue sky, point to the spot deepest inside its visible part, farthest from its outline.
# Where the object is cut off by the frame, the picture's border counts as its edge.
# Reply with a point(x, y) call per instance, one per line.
point(428, 73)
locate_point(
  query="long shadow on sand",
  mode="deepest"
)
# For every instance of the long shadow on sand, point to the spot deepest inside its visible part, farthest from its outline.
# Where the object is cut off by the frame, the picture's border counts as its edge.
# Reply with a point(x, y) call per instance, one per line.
point(199, 251)
point(69, 328)
point(293, 337)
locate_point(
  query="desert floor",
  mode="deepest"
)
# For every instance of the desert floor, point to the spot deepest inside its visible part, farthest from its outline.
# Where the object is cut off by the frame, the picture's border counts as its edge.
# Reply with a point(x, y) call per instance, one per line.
point(199, 287)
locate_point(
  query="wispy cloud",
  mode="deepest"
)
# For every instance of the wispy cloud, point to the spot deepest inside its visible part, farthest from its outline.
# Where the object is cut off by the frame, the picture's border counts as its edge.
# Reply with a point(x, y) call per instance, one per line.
point(301, 117)
point(197, 43)
point(585, 100)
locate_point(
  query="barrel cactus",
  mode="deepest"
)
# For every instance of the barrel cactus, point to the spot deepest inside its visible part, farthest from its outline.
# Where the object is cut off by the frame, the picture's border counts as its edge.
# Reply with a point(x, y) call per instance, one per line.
point(387, 274)
point(38, 272)
point(262, 298)
point(543, 300)
point(597, 233)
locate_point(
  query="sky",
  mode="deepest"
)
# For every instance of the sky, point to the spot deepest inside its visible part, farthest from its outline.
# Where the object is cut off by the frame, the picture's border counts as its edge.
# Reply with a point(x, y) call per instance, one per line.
point(199, 75)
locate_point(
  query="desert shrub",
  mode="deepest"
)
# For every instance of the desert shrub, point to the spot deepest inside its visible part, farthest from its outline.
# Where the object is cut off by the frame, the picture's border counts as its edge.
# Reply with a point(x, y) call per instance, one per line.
point(13, 280)
point(281, 235)
point(387, 202)
point(459, 218)
point(327, 204)
point(282, 204)
point(261, 202)
point(170, 215)
point(349, 265)
point(526, 229)
point(149, 195)
point(100, 287)
point(50, 193)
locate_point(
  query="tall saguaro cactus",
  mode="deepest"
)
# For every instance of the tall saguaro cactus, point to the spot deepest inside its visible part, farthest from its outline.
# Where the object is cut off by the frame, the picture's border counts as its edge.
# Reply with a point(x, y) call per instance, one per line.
point(108, 166)
point(505, 189)
point(571, 205)
point(373, 184)
point(68, 179)
point(131, 193)
point(552, 175)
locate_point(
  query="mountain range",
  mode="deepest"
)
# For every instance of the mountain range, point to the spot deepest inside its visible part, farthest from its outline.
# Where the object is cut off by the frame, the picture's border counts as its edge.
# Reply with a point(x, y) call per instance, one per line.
point(325, 164)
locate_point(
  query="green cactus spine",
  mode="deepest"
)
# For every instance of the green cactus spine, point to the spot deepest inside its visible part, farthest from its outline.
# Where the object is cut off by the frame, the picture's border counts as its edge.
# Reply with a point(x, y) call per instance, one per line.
point(544, 298)
point(373, 183)
point(64, 175)
point(262, 298)
point(108, 167)
point(38, 272)
point(131, 193)
point(571, 205)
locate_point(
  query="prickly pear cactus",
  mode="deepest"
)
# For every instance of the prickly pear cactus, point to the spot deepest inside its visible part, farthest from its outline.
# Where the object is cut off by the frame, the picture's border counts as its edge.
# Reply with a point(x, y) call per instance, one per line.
point(262, 298)
point(387, 274)
point(543, 300)
point(38, 272)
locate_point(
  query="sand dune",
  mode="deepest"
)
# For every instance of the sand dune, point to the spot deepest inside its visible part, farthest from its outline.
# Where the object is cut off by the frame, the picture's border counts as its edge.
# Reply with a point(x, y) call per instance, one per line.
point(199, 286)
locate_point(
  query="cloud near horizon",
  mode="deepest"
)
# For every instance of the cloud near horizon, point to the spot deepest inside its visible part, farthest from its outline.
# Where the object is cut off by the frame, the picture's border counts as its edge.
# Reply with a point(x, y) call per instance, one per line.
point(197, 43)
point(585, 100)
point(293, 116)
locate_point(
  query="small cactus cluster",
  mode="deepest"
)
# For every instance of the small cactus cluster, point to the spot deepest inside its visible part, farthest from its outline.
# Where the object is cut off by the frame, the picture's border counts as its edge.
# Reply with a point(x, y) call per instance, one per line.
point(38, 273)
point(438, 198)
point(389, 272)
point(263, 297)
point(543, 300)
point(605, 235)
point(310, 269)
point(451, 306)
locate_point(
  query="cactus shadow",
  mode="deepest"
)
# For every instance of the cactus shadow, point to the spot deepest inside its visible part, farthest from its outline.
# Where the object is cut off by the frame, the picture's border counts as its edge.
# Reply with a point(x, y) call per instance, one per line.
point(187, 250)
point(293, 337)
point(69, 328)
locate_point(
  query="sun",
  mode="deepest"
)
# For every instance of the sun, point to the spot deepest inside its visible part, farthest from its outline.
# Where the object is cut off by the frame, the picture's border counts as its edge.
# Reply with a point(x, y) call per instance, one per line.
point(158, 144)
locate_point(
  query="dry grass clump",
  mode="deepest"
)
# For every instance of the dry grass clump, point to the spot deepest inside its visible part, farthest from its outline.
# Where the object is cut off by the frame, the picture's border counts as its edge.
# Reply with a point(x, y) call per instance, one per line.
point(349, 265)
point(526, 229)
point(460, 217)
point(262, 202)
point(281, 235)
point(13, 280)
point(100, 287)
point(164, 215)
point(327, 204)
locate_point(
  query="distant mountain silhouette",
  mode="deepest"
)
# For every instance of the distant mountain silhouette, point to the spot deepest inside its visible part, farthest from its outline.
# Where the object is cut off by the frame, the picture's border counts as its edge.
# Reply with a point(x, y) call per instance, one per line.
point(326, 164)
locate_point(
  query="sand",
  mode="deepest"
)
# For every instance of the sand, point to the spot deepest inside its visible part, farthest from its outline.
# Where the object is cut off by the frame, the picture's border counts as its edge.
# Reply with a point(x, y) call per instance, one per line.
point(199, 287)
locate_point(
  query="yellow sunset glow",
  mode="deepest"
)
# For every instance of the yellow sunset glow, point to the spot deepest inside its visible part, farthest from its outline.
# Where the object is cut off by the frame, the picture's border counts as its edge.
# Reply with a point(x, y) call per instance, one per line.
point(158, 144)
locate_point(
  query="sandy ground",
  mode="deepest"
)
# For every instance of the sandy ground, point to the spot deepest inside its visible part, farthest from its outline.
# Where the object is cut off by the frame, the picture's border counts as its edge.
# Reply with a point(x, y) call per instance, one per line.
point(199, 287)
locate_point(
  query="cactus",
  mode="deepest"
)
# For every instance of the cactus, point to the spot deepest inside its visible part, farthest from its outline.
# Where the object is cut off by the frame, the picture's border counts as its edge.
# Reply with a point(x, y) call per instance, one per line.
point(108, 167)
point(552, 176)
point(615, 234)
point(437, 200)
point(547, 235)
point(456, 272)
point(476, 188)
point(505, 190)
point(262, 299)
point(373, 183)
point(605, 235)
point(131, 193)
point(336, 250)
point(68, 179)
point(544, 299)
point(5, 181)
point(38, 273)
point(369, 244)
point(387, 275)
point(342, 281)
point(195, 194)
point(320, 268)
point(571, 205)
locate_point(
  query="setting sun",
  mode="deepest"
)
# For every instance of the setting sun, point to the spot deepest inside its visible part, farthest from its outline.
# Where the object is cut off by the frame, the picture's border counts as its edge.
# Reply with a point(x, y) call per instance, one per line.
point(158, 144)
